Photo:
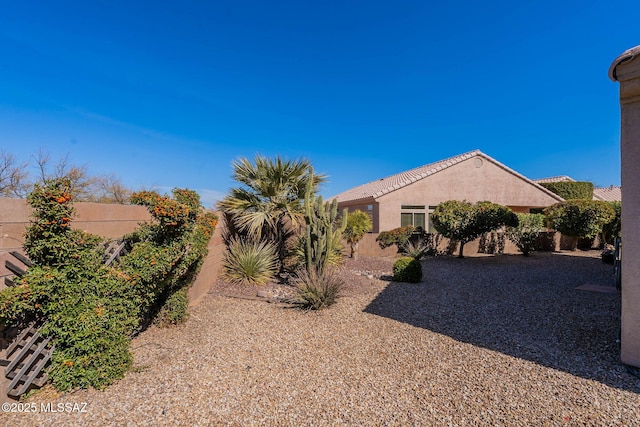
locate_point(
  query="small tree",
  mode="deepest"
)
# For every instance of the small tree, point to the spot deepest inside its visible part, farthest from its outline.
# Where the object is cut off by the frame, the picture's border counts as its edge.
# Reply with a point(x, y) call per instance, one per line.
point(611, 230)
point(465, 221)
point(358, 224)
point(579, 218)
point(526, 232)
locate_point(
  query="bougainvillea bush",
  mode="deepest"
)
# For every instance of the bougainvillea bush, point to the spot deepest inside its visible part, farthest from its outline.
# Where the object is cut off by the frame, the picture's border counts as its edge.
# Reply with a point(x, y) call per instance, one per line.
point(90, 310)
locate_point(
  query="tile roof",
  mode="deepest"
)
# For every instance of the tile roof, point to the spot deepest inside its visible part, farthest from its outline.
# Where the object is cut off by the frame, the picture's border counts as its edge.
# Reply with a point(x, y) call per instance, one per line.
point(562, 178)
point(374, 189)
point(608, 194)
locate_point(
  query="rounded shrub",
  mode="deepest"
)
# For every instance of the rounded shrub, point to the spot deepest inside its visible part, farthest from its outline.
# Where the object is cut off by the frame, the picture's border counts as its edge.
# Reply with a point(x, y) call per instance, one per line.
point(407, 269)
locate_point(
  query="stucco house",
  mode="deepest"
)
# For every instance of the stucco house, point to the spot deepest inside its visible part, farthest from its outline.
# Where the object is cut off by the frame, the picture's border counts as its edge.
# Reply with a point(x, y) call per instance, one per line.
point(409, 197)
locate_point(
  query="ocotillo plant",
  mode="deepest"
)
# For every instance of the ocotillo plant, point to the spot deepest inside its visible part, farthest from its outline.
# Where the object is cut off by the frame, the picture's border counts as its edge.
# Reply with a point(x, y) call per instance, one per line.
point(322, 236)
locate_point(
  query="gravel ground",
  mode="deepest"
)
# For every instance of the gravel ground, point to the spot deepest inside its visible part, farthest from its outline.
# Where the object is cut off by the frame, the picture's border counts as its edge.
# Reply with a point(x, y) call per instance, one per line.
point(497, 340)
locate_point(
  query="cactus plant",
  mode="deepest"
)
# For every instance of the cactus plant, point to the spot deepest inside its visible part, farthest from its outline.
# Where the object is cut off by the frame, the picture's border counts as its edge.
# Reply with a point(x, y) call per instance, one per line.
point(322, 236)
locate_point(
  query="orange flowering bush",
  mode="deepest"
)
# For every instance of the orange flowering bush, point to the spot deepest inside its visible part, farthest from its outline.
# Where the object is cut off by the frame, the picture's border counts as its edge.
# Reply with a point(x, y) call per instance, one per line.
point(167, 254)
point(49, 240)
point(89, 310)
point(169, 213)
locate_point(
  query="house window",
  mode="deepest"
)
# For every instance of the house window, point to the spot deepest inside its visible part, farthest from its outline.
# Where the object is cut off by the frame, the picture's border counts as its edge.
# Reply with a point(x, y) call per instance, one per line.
point(431, 228)
point(413, 215)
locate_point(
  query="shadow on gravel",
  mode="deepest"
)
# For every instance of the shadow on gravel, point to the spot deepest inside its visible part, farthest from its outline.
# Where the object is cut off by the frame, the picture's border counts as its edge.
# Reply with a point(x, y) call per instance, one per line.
point(523, 307)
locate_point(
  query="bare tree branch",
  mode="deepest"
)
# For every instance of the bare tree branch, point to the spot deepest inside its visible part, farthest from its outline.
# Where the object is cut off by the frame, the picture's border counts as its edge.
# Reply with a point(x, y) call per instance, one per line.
point(13, 176)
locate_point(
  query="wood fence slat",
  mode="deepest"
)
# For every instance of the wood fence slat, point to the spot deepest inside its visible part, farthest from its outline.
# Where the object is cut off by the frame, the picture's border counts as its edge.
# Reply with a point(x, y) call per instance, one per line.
point(23, 259)
point(115, 254)
point(12, 389)
point(37, 362)
point(22, 353)
point(20, 338)
point(14, 268)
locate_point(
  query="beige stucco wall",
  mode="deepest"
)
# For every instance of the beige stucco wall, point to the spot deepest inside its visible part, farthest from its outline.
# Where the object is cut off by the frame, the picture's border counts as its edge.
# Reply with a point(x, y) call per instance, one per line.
point(106, 220)
point(211, 265)
point(628, 73)
point(475, 179)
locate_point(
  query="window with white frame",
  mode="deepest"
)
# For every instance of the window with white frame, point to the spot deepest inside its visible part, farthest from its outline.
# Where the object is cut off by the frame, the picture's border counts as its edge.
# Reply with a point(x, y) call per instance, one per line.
point(413, 215)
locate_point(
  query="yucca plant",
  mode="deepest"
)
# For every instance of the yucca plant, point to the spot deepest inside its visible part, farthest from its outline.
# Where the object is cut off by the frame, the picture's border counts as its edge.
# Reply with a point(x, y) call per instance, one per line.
point(250, 263)
point(415, 249)
point(317, 290)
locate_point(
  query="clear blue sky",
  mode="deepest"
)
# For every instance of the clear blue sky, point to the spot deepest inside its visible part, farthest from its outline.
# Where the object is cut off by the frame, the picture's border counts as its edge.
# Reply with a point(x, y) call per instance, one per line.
point(166, 93)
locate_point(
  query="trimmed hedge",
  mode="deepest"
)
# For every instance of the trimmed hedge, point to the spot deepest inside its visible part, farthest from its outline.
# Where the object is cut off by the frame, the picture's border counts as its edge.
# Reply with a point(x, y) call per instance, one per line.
point(579, 218)
point(407, 269)
point(571, 190)
point(398, 236)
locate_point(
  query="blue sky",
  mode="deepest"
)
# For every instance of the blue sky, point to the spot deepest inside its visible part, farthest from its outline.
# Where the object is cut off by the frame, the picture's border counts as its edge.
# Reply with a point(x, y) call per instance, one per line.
point(165, 94)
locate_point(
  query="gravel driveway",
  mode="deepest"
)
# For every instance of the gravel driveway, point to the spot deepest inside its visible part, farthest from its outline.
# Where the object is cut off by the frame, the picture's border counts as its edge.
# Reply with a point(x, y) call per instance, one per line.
point(497, 340)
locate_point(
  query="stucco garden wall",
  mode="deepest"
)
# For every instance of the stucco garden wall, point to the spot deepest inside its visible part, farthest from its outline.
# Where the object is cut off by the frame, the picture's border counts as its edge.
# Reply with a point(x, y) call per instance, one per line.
point(106, 220)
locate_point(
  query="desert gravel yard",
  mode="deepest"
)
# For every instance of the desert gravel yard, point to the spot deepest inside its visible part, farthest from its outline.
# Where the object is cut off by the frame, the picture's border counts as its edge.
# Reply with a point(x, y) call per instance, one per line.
point(496, 340)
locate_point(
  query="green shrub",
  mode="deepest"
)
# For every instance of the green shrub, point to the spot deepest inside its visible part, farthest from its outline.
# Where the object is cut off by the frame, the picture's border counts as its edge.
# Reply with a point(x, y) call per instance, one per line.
point(250, 263)
point(611, 230)
point(317, 290)
point(398, 236)
point(174, 311)
point(90, 315)
point(524, 235)
point(407, 269)
point(49, 239)
point(167, 253)
point(89, 310)
point(579, 218)
point(571, 190)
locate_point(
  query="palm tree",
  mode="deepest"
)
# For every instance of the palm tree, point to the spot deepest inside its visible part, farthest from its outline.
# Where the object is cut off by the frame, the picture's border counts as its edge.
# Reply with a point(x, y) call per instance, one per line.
point(268, 206)
point(358, 224)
